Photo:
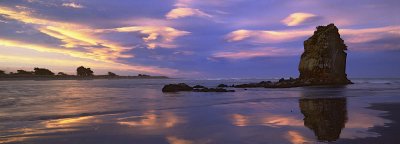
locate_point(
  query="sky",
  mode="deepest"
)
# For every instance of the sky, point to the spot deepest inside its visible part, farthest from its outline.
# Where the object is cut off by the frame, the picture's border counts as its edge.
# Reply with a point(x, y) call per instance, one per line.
point(194, 38)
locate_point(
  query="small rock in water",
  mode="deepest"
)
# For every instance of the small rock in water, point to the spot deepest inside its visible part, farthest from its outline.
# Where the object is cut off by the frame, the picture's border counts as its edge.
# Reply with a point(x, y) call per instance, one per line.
point(222, 85)
point(199, 86)
point(176, 87)
point(213, 90)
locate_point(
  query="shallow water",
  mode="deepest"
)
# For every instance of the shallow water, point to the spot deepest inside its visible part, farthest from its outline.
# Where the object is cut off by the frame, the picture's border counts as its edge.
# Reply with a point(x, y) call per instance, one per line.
point(136, 111)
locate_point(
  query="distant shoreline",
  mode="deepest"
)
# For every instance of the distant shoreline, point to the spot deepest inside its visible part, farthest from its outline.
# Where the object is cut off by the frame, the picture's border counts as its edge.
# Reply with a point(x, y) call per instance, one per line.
point(72, 77)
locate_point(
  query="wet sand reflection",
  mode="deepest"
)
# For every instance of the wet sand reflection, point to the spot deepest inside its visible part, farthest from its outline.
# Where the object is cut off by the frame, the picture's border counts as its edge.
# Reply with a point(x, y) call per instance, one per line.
point(45, 128)
point(326, 117)
point(151, 120)
point(175, 140)
point(296, 137)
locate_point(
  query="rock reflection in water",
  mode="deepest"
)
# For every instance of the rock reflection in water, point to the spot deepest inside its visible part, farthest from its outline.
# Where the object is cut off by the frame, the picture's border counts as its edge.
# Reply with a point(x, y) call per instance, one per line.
point(325, 116)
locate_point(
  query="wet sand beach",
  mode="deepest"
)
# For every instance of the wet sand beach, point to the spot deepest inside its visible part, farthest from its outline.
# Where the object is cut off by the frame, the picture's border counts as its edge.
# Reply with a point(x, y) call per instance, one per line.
point(136, 111)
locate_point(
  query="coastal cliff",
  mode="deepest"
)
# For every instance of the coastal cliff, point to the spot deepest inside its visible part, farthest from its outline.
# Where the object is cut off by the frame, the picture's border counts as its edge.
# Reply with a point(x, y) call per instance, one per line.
point(324, 58)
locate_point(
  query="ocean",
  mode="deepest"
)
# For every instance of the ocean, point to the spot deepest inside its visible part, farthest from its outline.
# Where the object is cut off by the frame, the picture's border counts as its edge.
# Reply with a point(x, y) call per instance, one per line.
point(136, 111)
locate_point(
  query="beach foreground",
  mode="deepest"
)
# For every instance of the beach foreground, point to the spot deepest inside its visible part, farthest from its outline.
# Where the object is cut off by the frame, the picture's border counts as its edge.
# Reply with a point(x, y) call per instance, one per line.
point(136, 111)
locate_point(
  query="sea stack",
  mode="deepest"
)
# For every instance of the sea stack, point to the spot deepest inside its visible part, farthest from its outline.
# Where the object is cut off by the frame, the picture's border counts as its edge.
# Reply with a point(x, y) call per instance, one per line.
point(324, 59)
point(322, 63)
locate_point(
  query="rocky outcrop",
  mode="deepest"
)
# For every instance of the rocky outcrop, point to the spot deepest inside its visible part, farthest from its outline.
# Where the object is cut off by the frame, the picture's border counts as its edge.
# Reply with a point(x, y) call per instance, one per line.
point(324, 58)
point(176, 87)
point(322, 63)
point(198, 88)
point(212, 90)
point(282, 83)
point(254, 85)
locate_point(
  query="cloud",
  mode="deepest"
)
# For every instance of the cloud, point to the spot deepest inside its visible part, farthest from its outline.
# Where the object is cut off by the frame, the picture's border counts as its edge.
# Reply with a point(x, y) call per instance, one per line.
point(183, 3)
point(266, 36)
point(72, 35)
point(205, 3)
point(84, 42)
point(187, 8)
point(296, 19)
point(72, 5)
point(75, 35)
point(186, 12)
point(43, 48)
point(355, 38)
point(369, 34)
point(261, 52)
point(94, 59)
point(372, 39)
point(3, 21)
point(156, 36)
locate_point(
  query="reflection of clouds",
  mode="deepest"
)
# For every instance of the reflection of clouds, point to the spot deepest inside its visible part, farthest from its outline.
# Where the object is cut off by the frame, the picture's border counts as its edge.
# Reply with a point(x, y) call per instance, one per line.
point(18, 135)
point(44, 128)
point(68, 122)
point(240, 120)
point(296, 137)
point(175, 140)
point(359, 124)
point(268, 120)
point(147, 120)
point(172, 120)
point(361, 120)
point(13, 139)
point(152, 120)
point(280, 120)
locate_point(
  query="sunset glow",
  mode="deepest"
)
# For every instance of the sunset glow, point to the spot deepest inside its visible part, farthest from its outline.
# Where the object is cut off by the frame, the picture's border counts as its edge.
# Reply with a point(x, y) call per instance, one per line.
point(186, 38)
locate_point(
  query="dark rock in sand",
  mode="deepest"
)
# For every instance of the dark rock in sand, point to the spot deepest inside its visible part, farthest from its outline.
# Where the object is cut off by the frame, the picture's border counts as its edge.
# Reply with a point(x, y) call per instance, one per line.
point(255, 85)
point(222, 85)
point(199, 86)
point(324, 59)
point(177, 87)
point(213, 90)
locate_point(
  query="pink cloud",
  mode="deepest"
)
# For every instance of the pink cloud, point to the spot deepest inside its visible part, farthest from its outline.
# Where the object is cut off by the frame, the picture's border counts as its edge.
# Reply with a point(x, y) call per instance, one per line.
point(186, 12)
point(72, 5)
point(263, 52)
point(267, 36)
point(350, 36)
point(296, 19)
point(369, 34)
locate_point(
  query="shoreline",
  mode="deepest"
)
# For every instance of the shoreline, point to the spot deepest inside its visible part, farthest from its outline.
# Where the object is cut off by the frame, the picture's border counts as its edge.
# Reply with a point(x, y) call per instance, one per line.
point(36, 77)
